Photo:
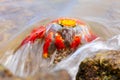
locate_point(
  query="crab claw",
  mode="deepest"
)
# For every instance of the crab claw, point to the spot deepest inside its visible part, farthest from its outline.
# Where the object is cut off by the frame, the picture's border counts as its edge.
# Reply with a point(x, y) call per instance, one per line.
point(76, 42)
point(59, 41)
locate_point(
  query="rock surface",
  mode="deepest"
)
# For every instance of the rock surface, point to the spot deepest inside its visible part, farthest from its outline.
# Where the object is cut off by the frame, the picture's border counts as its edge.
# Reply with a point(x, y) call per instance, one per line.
point(102, 66)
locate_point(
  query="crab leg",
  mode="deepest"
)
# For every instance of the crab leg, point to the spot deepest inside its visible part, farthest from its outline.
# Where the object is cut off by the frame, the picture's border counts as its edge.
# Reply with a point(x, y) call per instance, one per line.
point(35, 34)
point(90, 37)
point(47, 43)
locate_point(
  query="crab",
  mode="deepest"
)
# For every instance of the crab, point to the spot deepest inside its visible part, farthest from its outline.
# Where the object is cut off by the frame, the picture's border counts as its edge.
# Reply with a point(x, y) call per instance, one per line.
point(61, 34)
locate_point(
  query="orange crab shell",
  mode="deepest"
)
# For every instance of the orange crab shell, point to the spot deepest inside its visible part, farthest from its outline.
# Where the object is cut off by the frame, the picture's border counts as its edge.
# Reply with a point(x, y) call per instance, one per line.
point(68, 20)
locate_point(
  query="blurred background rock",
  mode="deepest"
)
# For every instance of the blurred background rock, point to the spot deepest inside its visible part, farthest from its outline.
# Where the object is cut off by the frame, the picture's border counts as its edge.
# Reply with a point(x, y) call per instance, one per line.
point(5, 74)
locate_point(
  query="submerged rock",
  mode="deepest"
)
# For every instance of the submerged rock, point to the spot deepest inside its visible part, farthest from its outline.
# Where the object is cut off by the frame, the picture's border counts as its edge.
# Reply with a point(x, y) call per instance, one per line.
point(5, 74)
point(57, 75)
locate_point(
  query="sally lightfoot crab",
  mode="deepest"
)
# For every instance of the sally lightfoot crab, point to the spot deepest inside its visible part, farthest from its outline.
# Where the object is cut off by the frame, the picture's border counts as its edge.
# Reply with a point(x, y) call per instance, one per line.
point(60, 35)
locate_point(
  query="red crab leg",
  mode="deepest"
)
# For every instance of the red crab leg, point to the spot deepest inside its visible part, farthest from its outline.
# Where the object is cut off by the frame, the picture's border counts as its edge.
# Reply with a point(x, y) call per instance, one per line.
point(48, 40)
point(76, 41)
point(35, 34)
point(90, 37)
point(59, 41)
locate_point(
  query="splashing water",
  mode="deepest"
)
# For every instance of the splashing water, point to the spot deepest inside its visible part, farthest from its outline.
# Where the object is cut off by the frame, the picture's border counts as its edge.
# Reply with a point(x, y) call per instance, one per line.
point(27, 60)
point(72, 63)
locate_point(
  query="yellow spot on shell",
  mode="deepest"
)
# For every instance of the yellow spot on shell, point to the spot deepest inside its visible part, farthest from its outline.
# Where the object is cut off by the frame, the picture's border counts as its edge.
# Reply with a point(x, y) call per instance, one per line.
point(67, 22)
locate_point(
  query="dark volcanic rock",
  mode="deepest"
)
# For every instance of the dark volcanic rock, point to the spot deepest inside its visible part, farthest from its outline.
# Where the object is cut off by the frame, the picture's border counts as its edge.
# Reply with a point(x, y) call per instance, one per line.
point(103, 66)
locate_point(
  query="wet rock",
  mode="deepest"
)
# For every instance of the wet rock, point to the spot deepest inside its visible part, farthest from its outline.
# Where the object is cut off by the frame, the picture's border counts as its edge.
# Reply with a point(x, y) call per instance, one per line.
point(105, 65)
point(61, 55)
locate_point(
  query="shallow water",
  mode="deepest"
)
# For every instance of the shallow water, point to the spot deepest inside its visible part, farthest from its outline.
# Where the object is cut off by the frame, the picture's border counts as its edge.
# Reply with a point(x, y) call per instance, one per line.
point(18, 17)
